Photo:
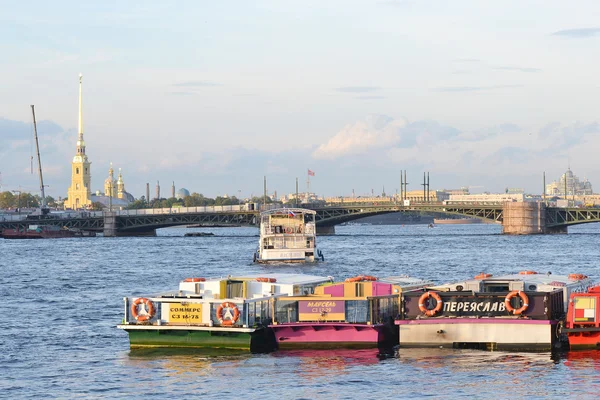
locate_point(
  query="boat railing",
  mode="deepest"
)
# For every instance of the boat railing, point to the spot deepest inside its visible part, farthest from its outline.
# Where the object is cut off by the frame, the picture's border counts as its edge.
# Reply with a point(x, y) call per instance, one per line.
point(384, 308)
point(541, 305)
point(181, 311)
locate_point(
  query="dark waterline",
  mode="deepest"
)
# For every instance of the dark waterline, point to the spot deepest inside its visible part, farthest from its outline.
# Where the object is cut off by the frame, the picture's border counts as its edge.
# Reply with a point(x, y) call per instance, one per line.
point(62, 299)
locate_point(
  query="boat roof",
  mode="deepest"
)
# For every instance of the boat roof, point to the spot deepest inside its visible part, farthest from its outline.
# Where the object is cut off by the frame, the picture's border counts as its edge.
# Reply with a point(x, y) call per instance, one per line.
point(281, 278)
point(276, 211)
point(405, 280)
point(530, 278)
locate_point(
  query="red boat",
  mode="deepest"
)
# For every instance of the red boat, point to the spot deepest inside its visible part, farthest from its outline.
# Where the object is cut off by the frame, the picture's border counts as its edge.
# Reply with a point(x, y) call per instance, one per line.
point(42, 232)
point(583, 320)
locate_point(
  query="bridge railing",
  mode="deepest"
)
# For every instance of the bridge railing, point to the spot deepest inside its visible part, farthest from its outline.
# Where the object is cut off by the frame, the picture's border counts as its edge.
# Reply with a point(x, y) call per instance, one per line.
point(187, 210)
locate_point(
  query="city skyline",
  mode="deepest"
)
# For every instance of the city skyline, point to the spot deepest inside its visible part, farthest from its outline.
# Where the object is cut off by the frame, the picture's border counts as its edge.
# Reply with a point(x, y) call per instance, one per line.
point(211, 99)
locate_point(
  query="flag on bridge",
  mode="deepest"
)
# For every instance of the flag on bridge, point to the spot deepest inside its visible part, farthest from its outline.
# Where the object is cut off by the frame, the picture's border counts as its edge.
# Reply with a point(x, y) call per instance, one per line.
point(311, 173)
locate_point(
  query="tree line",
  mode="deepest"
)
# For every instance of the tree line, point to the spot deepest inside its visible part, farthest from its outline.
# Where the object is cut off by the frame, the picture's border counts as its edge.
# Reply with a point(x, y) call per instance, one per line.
point(193, 200)
point(10, 200)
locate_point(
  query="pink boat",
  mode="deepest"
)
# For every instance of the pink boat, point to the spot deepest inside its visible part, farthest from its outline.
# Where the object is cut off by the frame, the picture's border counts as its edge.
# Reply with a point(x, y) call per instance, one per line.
point(357, 313)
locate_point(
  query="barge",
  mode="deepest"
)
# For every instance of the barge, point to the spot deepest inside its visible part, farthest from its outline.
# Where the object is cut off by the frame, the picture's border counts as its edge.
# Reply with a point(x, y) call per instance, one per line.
point(582, 326)
point(44, 232)
point(356, 313)
point(511, 312)
point(230, 312)
point(288, 235)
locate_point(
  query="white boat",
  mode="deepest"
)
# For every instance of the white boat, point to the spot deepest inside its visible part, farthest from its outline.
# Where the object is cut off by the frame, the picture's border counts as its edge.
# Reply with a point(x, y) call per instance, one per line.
point(288, 235)
point(520, 311)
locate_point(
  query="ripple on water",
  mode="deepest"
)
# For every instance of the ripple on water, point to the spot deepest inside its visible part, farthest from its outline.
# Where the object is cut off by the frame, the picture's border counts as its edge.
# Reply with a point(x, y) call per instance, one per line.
point(64, 298)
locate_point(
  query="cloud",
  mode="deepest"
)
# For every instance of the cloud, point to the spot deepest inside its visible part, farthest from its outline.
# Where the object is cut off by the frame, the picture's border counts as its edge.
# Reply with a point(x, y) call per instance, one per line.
point(562, 137)
point(196, 84)
point(491, 132)
point(376, 131)
point(518, 69)
point(357, 89)
point(370, 97)
point(184, 93)
point(578, 33)
point(462, 89)
point(467, 60)
point(379, 133)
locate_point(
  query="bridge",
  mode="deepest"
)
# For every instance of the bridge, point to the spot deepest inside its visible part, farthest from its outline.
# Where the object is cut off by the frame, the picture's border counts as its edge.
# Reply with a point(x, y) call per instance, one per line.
point(516, 218)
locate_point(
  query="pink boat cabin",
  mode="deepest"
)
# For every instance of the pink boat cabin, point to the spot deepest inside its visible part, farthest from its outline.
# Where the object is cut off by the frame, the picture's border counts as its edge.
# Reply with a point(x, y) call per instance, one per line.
point(357, 313)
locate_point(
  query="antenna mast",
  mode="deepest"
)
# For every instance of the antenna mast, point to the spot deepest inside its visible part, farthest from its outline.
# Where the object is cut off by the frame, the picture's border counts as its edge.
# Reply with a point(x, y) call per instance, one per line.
point(37, 147)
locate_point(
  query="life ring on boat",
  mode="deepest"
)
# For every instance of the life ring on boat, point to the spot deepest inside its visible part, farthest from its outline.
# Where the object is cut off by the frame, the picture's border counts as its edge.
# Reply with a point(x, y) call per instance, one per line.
point(270, 280)
point(194, 280)
point(528, 273)
point(524, 300)
point(361, 278)
point(483, 276)
point(438, 306)
point(149, 308)
point(289, 229)
point(577, 277)
point(234, 317)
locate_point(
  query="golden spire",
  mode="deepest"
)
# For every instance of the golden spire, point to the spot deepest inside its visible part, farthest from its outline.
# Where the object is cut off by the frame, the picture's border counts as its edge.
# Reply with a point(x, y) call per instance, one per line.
point(80, 108)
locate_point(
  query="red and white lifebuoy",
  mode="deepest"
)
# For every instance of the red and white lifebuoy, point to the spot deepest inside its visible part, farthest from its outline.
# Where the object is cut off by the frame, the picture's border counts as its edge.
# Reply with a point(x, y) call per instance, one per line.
point(235, 314)
point(438, 306)
point(524, 300)
point(148, 306)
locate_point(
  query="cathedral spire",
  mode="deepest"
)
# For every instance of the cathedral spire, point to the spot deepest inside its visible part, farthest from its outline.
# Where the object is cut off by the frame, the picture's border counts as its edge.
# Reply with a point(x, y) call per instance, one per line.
point(80, 108)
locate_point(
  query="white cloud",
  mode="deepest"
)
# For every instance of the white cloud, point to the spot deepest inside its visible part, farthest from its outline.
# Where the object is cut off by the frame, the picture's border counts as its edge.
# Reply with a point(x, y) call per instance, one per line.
point(375, 132)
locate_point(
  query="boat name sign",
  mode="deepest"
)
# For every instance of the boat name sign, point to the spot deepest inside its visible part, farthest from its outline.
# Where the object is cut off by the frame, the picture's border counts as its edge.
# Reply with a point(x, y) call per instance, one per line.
point(459, 306)
point(185, 313)
point(474, 307)
point(311, 310)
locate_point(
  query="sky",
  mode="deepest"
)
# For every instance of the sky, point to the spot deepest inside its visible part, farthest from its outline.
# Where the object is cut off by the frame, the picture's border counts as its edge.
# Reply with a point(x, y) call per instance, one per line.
point(216, 95)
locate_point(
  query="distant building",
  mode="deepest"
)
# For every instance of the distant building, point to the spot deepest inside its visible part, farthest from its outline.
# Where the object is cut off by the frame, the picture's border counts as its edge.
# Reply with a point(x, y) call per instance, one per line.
point(182, 193)
point(570, 183)
point(115, 194)
point(79, 193)
point(489, 198)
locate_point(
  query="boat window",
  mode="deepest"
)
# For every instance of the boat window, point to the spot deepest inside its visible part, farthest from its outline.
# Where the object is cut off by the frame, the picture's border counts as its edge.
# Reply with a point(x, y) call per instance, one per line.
point(359, 289)
point(495, 287)
point(385, 308)
point(259, 313)
point(357, 311)
point(235, 289)
point(213, 314)
point(286, 311)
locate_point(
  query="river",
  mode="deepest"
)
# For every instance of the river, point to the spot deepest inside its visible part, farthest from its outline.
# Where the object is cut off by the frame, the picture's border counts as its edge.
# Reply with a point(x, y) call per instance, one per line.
point(63, 297)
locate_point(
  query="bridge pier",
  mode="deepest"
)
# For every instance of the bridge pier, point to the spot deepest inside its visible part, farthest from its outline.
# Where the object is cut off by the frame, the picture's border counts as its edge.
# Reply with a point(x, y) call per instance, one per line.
point(110, 224)
point(526, 218)
point(326, 230)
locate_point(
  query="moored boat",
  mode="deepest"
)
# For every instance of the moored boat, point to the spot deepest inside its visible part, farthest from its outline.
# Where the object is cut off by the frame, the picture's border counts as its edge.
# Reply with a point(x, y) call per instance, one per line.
point(356, 313)
point(231, 312)
point(513, 312)
point(582, 325)
point(43, 232)
point(288, 235)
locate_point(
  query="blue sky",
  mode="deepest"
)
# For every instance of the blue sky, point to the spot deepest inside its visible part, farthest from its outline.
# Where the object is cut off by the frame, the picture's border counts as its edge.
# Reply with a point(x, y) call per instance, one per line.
point(215, 95)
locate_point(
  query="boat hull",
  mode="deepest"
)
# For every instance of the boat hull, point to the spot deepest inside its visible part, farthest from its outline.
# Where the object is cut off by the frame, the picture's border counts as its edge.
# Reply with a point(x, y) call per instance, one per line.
point(259, 340)
point(334, 336)
point(583, 339)
point(196, 339)
point(285, 256)
point(481, 333)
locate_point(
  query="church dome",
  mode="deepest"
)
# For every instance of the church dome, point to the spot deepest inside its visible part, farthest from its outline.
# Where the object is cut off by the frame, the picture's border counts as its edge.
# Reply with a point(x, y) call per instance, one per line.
point(181, 193)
